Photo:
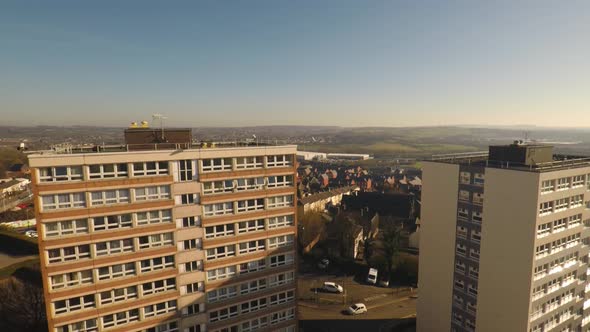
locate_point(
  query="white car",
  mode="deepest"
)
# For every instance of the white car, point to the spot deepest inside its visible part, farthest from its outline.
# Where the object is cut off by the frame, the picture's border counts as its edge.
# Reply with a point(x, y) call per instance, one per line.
point(323, 264)
point(372, 276)
point(357, 309)
point(332, 287)
point(31, 234)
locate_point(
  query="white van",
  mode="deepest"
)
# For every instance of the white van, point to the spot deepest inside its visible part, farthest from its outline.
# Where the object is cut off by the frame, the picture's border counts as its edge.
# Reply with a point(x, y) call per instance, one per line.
point(372, 276)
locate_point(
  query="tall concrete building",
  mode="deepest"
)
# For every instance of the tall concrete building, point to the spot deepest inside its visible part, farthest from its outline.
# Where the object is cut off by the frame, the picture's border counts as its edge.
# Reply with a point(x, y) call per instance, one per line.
point(161, 235)
point(505, 241)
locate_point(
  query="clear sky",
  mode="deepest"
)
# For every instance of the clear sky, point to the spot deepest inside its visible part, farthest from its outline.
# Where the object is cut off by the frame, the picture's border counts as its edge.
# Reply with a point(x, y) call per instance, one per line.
point(316, 62)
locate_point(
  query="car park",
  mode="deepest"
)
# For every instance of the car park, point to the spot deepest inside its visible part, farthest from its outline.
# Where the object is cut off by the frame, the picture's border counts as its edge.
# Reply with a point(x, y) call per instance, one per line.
point(332, 287)
point(357, 309)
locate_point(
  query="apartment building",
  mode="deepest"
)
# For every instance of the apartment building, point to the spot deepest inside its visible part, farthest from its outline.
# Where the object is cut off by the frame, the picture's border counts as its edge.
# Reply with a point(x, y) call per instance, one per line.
point(162, 235)
point(505, 238)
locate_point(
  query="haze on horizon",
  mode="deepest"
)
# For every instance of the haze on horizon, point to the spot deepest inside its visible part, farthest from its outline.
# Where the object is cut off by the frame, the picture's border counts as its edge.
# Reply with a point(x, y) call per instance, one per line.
point(341, 63)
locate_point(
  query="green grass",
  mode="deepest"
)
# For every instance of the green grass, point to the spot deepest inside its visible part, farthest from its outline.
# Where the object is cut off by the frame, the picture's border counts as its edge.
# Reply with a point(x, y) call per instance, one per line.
point(10, 269)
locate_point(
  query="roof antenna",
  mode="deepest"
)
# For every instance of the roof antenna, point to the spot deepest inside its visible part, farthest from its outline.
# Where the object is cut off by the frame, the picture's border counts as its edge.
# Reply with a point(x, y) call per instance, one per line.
point(161, 118)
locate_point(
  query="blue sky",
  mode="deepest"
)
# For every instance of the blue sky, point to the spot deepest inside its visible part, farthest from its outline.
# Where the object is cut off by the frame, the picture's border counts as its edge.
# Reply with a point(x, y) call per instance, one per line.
point(346, 63)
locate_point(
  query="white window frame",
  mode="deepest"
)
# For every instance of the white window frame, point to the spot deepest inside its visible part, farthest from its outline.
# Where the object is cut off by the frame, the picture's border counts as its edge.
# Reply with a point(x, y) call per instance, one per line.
point(50, 174)
point(120, 318)
point(119, 170)
point(221, 294)
point(158, 286)
point(216, 164)
point(191, 244)
point(250, 226)
point(218, 187)
point(224, 313)
point(63, 257)
point(246, 184)
point(252, 266)
point(278, 181)
point(89, 325)
point(280, 260)
point(216, 231)
point(153, 217)
point(63, 201)
point(279, 161)
point(66, 227)
point(282, 297)
point(117, 196)
point(281, 221)
point(221, 273)
point(185, 170)
point(279, 201)
point(156, 168)
point(116, 271)
point(74, 304)
point(104, 223)
point(113, 247)
point(154, 265)
point(156, 240)
point(118, 295)
point(152, 193)
point(195, 287)
point(281, 241)
point(276, 280)
point(547, 186)
point(218, 209)
point(249, 162)
point(248, 205)
point(71, 279)
point(158, 309)
point(214, 253)
point(251, 246)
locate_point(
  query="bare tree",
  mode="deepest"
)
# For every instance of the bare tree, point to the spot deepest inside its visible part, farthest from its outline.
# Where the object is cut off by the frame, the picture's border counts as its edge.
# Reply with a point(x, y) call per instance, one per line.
point(391, 246)
point(22, 307)
point(311, 226)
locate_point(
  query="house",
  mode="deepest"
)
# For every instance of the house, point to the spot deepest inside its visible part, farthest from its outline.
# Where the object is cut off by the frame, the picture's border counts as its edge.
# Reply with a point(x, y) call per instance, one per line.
point(320, 201)
point(18, 171)
point(10, 186)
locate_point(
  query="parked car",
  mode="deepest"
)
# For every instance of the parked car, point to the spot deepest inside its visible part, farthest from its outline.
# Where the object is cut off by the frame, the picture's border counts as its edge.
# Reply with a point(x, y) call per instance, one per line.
point(31, 234)
point(372, 276)
point(384, 282)
point(324, 263)
point(357, 309)
point(332, 287)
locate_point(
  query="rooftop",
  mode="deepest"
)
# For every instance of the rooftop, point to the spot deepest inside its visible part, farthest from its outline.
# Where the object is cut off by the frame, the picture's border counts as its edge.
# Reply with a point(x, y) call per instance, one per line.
point(517, 156)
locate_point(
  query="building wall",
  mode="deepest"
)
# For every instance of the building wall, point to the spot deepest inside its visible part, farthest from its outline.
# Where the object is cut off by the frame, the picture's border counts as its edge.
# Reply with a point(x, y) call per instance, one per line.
point(437, 246)
point(507, 250)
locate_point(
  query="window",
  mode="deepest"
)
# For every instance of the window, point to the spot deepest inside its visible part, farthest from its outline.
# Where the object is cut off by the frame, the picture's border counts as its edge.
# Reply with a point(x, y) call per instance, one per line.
point(253, 305)
point(159, 308)
point(249, 184)
point(111, 222)
point(150, 168)
point(462, 232)
point(191, 244)
point(154, 217)
point(281, 298)
point(473, 272)
point(547, 186)
point(576, 201)
point(476, 236)
point(254, 324)
point(280, 241)
point(281, 279)
point(120, 318)
point(281, 316)
point(251, 205)
point(60, 173)
point(464, 195)
point(563, 183)
point(221, 273)
point(193, 266)
point(463, 213)
point(252, 266)
point(192, 288)
point(166, 327)
point(221, 294)
point(191, 222)
point(63, 201)
point(561, 204)
point(574, 221)
point(460, 267)
point(461, 249)
point(280, 181)
point(155, 240)
point(71, 279)
point(248, 162)
point(185, 199)
point(193, 309)
point(279, 201)
point(221, 252)
point(219, 231)
point(542, 250)
point(152, 193)
point(251, 246)
point(218, 164)
point(478, 198)
point(457, 300)
point(114, 247)
point(218, 209)
point(66, 227)
point(250, 226)
point(116, 271)
point(465, 178)
point(478, 179)
point(477, 217)
point(158, 263)
point(74, 304)
point(278, 161)
point(217, 187)
point(459, 284)
point(545, 208)
point(223, 314)
point(282, 221)
point(472, 289)
point(280, 260)
point(185, 168)
point(252, 286)
point(68, 253)
point(543, 230)
point(107, 171)
point(578, 181)
point(109, 197)
point(89, 325)
point(474, 253)
point(118, 295)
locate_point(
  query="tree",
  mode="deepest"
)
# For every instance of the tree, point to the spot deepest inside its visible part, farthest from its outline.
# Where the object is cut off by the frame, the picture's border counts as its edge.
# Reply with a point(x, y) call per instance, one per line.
point(311, 226)
point(22, 307)
point(345, 233)
point(391, 246)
